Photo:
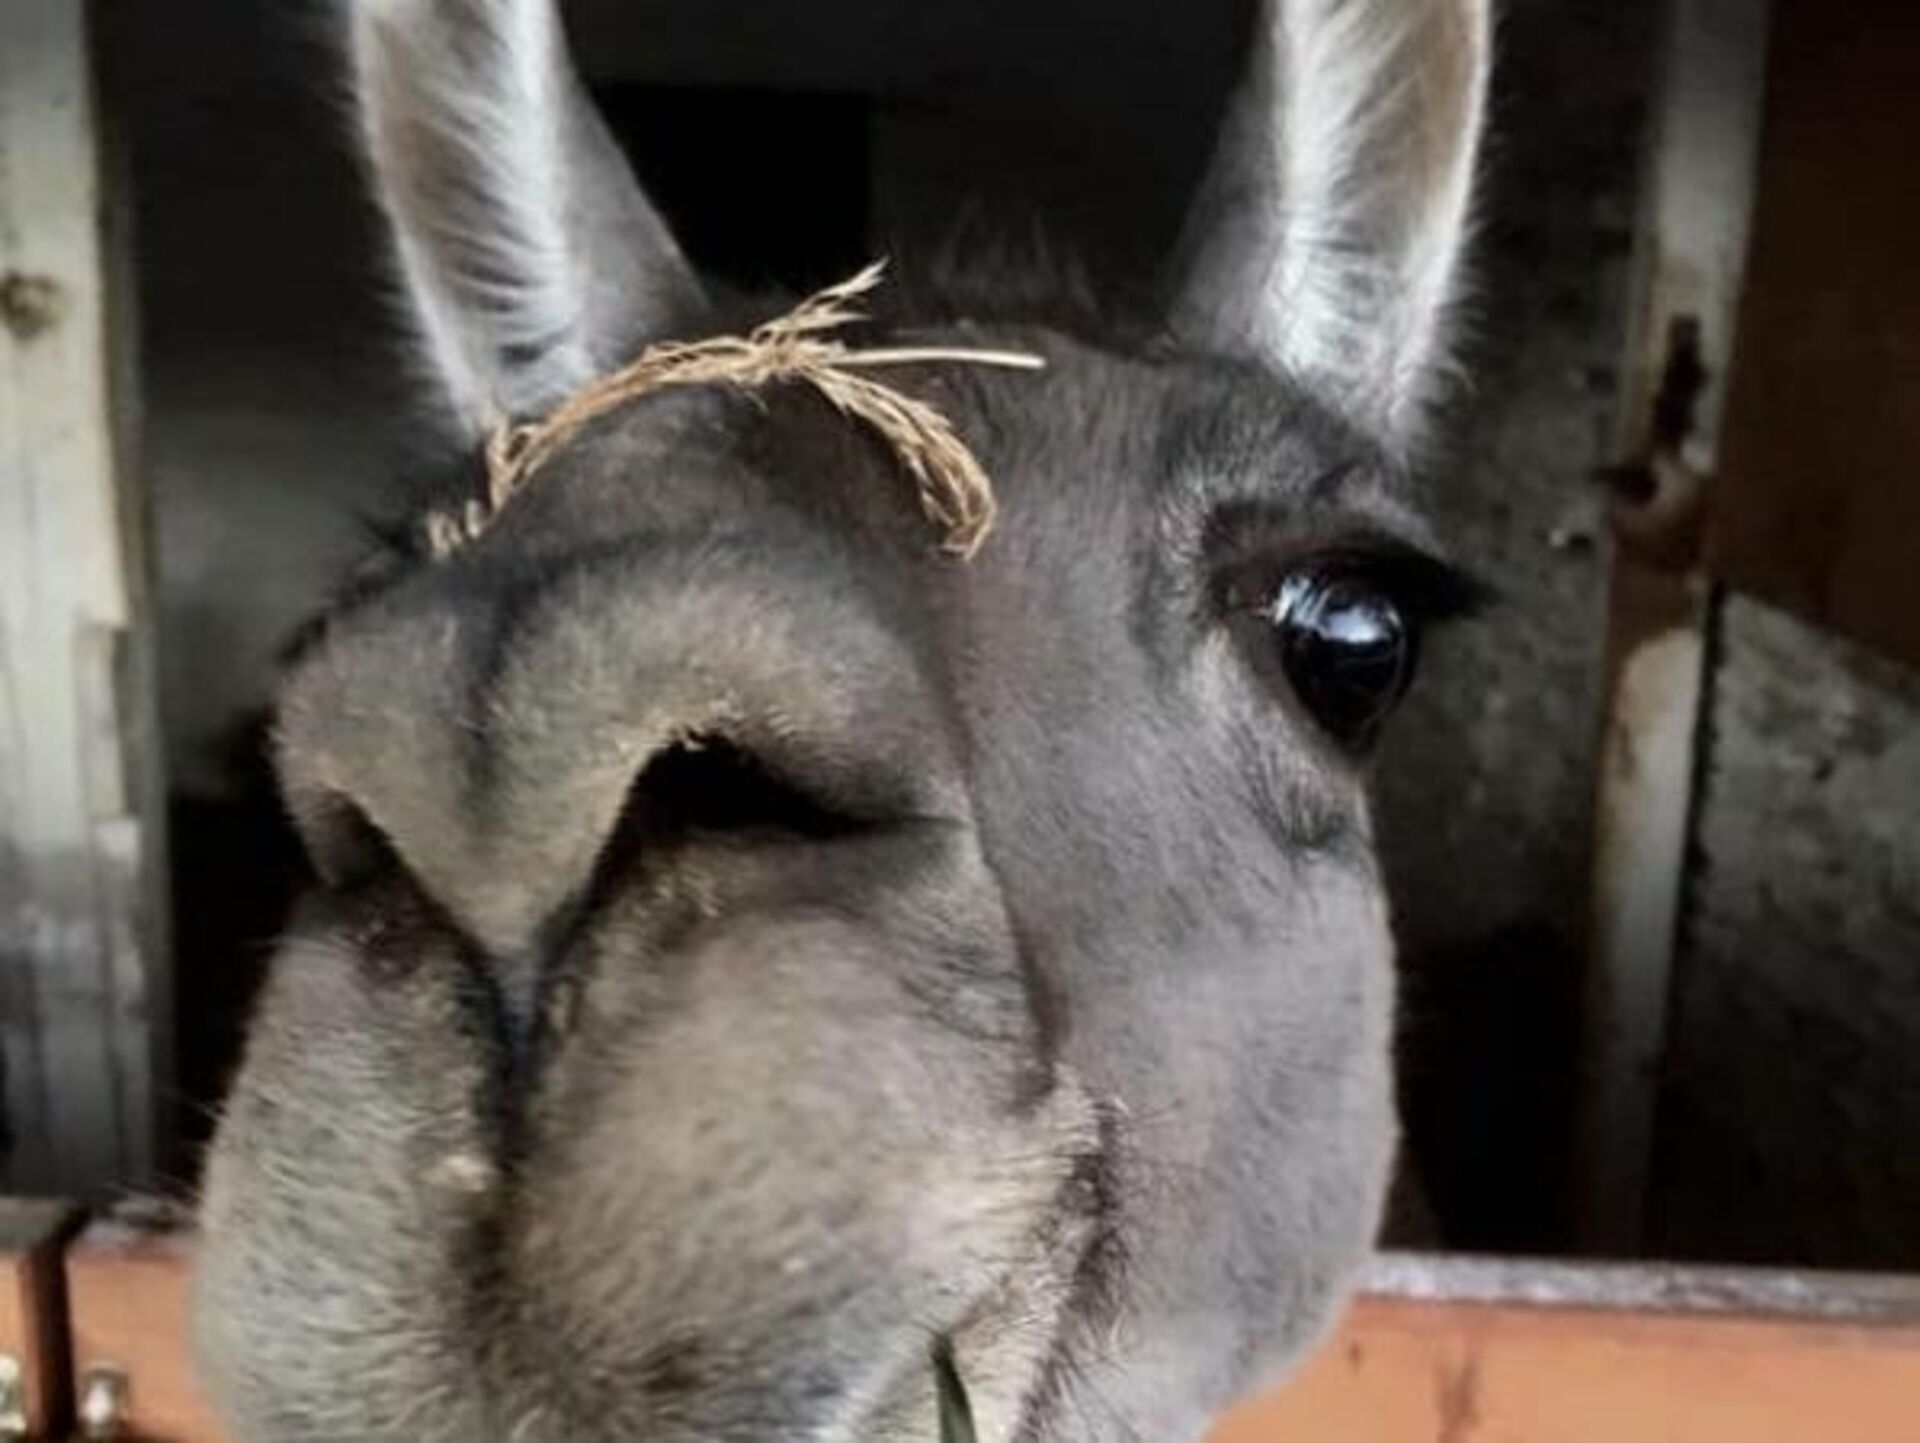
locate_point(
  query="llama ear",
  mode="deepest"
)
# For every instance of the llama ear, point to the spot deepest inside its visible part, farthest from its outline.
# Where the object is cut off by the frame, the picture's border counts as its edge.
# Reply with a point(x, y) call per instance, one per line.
point(529, 254)
point(1326, 238)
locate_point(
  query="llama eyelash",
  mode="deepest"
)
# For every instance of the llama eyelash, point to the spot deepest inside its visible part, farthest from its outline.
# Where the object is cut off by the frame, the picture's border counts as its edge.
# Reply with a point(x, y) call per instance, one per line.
point(1252, 547)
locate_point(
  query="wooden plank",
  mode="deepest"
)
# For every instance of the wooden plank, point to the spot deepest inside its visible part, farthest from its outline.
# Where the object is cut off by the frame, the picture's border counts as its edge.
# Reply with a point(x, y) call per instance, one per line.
point(1436, 1350)
point(82, 995)
point(1691, 264)
point(127, 1289)
point(1401, 1371)
point(1820, 512)
point(33, 1324)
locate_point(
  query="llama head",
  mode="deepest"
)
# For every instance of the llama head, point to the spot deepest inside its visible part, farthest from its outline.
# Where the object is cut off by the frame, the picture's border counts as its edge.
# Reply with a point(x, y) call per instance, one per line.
point(757, 950)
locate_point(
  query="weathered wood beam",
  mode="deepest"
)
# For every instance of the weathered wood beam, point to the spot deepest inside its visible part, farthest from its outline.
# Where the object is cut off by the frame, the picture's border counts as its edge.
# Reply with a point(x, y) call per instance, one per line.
point(83, 995)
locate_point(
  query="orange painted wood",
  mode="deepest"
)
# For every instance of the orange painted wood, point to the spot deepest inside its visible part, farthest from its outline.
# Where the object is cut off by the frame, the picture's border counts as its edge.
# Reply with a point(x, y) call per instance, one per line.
point(127, 1291)
point(1436, 1350)
point(1401, 1371)
point(32, 1318)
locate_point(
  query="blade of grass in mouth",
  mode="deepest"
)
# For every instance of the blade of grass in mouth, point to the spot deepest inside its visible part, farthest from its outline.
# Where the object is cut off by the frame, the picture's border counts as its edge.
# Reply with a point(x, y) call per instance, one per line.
point(956, 1413)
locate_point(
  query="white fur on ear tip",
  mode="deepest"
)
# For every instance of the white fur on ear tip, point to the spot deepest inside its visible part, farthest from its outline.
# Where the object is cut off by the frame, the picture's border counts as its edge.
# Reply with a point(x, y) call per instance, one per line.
point(1328, 234)
point(527, 252)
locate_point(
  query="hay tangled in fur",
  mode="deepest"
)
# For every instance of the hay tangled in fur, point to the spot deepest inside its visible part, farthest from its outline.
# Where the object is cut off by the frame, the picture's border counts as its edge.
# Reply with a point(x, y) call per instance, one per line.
point(954, 490)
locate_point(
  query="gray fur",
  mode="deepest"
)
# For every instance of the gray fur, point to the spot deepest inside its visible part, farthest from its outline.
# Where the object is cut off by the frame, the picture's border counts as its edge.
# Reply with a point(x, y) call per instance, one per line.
point(1055, 1018)
point(1327, 237)
point(530, 255)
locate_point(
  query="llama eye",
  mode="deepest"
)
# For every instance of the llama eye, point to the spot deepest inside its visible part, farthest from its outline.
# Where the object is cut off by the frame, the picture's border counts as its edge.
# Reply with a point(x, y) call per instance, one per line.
point(1347, 648)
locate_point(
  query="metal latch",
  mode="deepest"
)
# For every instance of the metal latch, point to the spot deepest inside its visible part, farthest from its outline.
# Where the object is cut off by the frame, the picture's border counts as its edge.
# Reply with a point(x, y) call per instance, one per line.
point(104, 1396)
point(13, 1399)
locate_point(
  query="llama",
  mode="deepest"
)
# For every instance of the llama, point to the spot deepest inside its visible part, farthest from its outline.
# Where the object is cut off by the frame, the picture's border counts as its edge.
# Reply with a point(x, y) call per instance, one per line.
point(790, 957)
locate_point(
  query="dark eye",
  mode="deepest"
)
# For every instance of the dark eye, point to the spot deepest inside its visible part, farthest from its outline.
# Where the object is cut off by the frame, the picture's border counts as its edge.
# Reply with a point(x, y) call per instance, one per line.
point(1346, 646)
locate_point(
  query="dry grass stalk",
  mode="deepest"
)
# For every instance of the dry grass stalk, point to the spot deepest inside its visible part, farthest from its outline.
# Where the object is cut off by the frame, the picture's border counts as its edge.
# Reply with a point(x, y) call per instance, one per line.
point(954, 491)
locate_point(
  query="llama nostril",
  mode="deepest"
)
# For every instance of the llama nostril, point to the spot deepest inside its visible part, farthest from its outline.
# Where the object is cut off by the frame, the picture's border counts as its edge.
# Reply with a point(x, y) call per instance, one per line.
point(712, 784)
point(345, 846)
point(503, 785)
point(708, 787)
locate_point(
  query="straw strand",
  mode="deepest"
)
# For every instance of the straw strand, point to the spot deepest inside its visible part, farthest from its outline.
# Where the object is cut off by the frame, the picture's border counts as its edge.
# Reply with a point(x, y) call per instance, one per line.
point(954, 490)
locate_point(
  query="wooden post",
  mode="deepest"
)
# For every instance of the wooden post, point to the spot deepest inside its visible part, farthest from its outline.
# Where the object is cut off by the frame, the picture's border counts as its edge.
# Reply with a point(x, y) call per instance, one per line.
point(128, 1291)
point(83, 1002)
point(1696, 215)
point(35, 1396)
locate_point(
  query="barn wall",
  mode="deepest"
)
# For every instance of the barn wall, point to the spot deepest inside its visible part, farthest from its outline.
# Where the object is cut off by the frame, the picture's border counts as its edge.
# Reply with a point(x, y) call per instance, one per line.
point(269, 383)
point(1792, 1086)
point(1792, 1093)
